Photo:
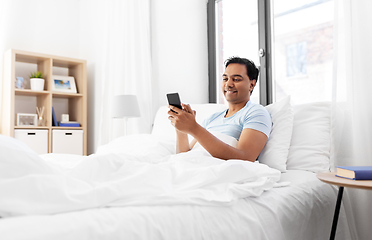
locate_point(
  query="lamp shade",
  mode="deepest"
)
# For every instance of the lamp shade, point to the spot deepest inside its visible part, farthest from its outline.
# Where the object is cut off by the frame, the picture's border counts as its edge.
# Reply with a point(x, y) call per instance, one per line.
point(125, 106)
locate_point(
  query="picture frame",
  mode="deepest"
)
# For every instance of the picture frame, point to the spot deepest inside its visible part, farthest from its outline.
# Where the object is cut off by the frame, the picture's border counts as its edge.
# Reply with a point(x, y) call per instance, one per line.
point(63, 84)
point(26, 119)
point(20, 83)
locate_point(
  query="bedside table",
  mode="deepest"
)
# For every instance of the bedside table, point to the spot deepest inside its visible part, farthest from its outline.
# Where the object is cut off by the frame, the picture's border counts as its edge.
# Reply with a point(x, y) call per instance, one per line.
point(331, 178)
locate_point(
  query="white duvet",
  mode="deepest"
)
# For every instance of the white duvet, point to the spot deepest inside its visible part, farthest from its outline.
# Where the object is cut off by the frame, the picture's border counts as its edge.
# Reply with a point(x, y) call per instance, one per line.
point(130, 171)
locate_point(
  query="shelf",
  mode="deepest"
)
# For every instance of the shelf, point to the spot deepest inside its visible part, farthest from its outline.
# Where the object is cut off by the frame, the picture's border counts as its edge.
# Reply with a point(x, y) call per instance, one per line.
point(66, 63)
point(29, 92)
point(66, 95)
point(30, 58)
point(20, 64)
point(31, 127)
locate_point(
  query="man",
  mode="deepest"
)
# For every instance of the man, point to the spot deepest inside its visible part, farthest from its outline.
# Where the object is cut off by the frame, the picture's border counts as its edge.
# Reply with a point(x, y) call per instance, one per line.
point(249, 123)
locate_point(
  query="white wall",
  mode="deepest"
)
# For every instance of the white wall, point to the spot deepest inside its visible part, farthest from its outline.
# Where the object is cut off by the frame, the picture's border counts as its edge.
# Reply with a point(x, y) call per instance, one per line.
point(179, 50)
point(43, 26)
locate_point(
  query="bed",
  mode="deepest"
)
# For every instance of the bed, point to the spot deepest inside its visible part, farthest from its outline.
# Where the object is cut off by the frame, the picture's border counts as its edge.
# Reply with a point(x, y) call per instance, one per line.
point(184, 196)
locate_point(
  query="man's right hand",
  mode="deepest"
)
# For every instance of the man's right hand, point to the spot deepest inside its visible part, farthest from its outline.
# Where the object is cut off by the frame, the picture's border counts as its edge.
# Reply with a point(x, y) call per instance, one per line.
point(183, 120)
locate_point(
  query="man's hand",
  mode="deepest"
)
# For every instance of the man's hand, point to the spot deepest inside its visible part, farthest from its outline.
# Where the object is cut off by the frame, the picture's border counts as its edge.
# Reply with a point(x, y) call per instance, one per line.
point(183, 120)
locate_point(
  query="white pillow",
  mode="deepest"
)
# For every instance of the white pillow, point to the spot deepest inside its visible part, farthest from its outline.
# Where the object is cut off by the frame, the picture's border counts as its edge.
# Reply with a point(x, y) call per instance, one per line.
point(275, 152)
point(311, 143)
point(17, 159)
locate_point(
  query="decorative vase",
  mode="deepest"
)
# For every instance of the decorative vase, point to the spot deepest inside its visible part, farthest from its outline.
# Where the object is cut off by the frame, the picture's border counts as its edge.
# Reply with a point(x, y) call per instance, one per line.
point(37, 84)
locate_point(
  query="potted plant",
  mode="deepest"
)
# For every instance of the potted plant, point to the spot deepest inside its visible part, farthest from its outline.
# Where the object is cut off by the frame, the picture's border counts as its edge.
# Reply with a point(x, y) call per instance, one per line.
point(37, 81)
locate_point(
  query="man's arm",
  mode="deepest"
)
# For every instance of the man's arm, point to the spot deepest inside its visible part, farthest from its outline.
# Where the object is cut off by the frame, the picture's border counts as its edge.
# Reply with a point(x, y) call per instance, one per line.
point(249, 146)
point(182, 144)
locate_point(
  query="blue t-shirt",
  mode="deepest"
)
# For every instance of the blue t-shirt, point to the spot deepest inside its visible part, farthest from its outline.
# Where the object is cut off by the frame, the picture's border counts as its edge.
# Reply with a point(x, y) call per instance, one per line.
point(253, 116)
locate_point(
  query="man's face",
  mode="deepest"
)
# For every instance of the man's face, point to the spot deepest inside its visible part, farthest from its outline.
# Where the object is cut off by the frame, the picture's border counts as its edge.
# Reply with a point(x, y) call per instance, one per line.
point(236, 85)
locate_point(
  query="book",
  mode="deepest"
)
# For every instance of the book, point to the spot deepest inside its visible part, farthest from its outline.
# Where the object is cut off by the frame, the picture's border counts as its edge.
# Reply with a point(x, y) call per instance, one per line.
point(69, 124)
point(354, 172)
point(54, 119)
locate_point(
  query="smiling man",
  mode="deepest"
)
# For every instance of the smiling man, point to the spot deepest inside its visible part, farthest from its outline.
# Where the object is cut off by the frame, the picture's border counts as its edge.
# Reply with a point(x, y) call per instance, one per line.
point(250, 124)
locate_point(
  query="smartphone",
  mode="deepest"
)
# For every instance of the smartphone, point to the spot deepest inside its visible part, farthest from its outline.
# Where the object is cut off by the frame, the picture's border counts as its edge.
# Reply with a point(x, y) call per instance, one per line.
point(174, 100)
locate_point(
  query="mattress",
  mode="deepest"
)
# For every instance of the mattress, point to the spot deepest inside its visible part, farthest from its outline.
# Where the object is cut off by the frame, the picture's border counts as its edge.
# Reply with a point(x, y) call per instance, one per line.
point(301, 210)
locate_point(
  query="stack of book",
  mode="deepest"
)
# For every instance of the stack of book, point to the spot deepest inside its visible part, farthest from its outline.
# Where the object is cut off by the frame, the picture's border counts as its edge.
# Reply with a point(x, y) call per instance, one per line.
point(68, 124)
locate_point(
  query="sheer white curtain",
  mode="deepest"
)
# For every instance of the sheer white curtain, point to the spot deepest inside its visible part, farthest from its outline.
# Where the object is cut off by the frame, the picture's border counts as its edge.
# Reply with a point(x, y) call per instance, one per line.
point(3, 35)
point(352, 86)
point(124, 66)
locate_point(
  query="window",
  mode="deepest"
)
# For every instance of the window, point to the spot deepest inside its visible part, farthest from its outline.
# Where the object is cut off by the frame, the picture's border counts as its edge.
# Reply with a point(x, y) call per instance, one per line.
point(303, 50)
point(296, 59)
point(236, 35)
point(296, 36)
point(239, 28)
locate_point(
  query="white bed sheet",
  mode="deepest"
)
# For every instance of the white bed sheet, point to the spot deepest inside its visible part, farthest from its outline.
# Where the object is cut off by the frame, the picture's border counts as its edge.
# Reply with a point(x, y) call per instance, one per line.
point(303, 210)
point(124, 173)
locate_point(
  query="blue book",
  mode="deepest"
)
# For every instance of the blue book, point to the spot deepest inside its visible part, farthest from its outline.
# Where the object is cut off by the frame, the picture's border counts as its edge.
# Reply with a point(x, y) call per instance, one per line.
point(355, 172)
point(54, 119)
point(72, 124)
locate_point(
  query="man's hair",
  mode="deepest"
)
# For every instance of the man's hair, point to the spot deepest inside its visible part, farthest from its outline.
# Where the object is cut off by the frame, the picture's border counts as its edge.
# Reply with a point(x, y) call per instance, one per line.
point(252, 70)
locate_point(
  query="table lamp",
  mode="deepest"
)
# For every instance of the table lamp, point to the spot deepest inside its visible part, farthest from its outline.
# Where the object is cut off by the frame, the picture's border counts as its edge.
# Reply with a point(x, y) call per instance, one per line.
point(125, 106)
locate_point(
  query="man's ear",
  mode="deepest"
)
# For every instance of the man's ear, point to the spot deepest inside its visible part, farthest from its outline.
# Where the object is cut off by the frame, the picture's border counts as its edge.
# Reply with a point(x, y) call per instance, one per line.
point(252, 84)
